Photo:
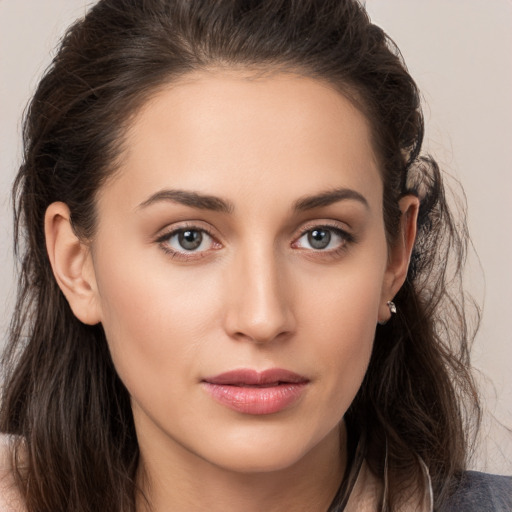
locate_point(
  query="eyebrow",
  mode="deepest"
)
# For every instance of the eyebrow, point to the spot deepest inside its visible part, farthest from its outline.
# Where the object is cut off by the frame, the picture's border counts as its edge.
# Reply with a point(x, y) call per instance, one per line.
point(192, 199)
point(216, 204)
point(327, 198)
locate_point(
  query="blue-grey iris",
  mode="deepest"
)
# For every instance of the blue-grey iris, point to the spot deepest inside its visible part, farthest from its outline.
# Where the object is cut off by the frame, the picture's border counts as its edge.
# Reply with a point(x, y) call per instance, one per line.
point(319, 238)
point(190, 239)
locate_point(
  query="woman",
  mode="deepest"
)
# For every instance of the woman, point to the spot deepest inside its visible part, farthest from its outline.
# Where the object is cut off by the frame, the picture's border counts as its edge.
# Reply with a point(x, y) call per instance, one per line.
point(234, 284)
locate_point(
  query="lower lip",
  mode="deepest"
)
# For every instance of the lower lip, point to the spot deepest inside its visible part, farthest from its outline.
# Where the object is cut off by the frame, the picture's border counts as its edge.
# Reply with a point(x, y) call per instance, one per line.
point(257, 400)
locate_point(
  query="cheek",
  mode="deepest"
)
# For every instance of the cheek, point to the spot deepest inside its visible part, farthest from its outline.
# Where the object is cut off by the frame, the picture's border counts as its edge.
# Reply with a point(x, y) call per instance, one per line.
point(348, 335)
point(340, 315)
point(346, 299)
point(154, 321)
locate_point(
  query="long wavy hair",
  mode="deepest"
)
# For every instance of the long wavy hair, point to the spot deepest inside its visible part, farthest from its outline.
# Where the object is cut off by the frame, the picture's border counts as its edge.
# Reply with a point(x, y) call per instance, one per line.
point(69, 413)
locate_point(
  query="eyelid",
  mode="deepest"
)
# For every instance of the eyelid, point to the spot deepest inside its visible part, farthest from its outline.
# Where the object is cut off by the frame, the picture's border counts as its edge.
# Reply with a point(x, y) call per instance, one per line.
point(323, 223)
point(196, 225)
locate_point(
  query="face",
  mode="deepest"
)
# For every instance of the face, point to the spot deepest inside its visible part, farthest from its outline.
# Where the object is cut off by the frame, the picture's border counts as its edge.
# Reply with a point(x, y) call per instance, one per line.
point(240, 268)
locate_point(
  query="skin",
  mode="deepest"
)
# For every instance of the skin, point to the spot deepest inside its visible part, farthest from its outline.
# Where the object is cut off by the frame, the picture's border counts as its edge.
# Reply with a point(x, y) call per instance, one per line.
point(255, 294)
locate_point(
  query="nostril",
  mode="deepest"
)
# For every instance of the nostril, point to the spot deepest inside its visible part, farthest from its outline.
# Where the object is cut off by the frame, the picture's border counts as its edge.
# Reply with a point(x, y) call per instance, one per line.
point(264, 332)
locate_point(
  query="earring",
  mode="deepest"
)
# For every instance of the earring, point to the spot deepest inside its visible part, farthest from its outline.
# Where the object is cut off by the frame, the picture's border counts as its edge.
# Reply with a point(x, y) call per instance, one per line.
point(392, 309)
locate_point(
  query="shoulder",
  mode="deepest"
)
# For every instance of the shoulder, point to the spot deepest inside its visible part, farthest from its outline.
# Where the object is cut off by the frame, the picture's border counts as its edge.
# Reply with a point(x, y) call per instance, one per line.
point(10, 500)
point(480, 492)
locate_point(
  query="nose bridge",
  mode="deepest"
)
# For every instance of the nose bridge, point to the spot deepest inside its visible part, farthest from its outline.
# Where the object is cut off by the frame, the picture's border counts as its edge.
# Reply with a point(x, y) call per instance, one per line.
point(260, 304)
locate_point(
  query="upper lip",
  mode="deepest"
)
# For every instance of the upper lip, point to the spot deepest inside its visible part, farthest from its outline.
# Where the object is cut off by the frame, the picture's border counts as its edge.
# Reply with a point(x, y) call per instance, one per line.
point(251, 377)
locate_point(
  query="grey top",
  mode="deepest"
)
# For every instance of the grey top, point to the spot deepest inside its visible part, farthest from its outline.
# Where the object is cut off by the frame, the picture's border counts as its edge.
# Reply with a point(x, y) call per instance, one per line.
point(472, 491)
point(481, 492)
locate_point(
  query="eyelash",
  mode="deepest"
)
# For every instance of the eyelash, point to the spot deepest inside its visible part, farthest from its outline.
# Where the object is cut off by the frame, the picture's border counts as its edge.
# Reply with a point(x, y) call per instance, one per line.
point(163, 241)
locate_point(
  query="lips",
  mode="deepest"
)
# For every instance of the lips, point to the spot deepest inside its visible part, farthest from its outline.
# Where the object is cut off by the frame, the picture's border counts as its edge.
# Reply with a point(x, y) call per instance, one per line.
point(252, 392)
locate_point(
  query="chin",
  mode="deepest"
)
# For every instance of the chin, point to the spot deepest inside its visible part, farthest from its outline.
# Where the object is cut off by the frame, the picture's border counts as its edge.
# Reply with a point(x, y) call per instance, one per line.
point(262, 454)
point(259, 461)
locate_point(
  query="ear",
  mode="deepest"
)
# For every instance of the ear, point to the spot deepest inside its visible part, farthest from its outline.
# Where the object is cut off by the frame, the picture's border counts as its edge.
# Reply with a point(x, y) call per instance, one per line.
point(399, 254)
point(72, 264)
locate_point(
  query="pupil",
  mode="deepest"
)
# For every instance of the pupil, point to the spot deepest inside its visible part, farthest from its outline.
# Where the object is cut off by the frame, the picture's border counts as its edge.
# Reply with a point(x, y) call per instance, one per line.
point(190, 240)
point(319, 238)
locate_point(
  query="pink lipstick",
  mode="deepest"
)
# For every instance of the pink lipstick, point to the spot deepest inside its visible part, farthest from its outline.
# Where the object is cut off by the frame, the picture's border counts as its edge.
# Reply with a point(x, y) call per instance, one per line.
point(252, 392)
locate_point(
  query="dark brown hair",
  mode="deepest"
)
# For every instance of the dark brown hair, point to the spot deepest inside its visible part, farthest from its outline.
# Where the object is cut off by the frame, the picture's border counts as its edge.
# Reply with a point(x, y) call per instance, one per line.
point(62, 396)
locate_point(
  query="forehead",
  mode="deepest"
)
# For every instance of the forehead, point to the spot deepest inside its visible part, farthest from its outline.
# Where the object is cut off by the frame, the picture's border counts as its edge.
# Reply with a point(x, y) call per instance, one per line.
point(226, 133)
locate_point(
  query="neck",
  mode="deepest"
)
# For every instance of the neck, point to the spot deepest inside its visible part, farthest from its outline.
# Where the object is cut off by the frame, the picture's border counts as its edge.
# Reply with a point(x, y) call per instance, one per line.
point(182, 482)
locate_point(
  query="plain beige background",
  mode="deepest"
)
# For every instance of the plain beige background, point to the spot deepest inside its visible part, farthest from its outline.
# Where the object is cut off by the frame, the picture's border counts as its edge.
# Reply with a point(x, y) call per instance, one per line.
point(459, 52)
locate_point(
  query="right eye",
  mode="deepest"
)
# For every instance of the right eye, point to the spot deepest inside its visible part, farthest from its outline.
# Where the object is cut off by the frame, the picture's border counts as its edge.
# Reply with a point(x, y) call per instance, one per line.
point(187, 242)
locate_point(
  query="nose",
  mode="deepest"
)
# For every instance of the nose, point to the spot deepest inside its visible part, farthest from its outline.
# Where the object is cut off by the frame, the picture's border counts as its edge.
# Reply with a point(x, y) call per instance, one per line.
point(260, 305)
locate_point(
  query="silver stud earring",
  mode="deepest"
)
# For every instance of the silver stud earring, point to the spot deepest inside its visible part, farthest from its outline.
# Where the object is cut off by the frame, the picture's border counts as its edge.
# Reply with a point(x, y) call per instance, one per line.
point(392, 307)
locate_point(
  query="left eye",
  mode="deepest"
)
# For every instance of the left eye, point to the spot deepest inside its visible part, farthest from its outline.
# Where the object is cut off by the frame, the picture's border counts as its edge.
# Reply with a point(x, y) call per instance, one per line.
point(322, 238)
point(189, 240)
